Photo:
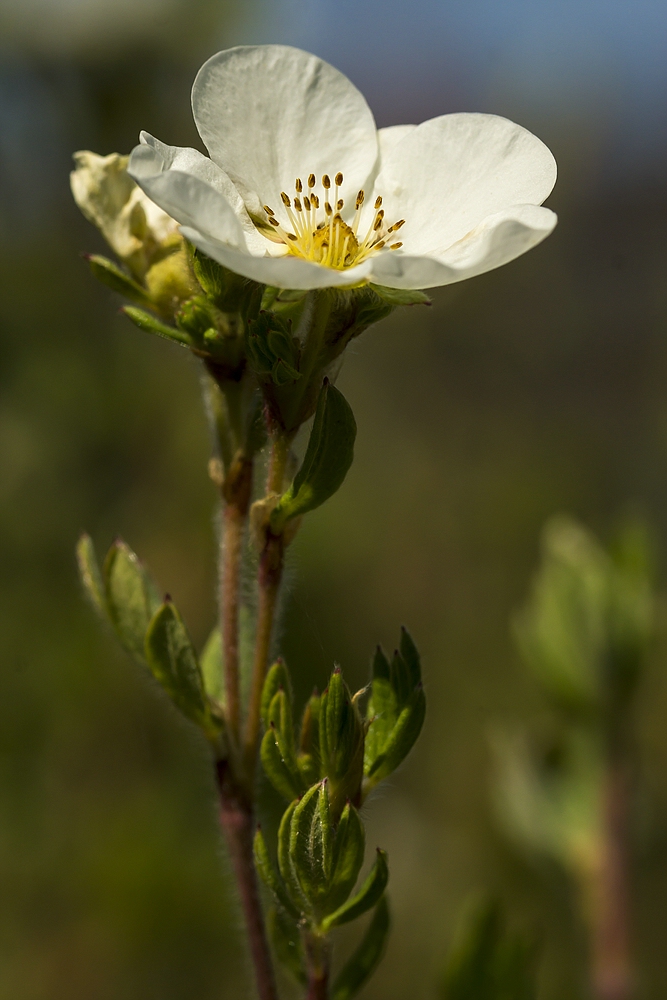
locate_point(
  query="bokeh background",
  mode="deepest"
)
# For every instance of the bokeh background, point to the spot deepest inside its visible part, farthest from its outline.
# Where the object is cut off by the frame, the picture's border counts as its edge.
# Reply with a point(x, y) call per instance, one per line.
point(536, 389)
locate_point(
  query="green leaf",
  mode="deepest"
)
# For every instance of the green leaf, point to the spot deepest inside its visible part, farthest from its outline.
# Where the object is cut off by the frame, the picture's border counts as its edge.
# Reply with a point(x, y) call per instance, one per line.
point(328, 457)
point(402, 296)
point(113, 277)
point(348, 857)
point(402, 738)
point(270, 877)
point(132, 597)
point(367, 897)
point(91, 576)
point(306, 857)
point(284, 858)
point(150, 324)
point(285, 779)
point(286, 940)
point(173, 662)
point(341, 743)
point(212, 667)
point(363, 963)
point(277, 677)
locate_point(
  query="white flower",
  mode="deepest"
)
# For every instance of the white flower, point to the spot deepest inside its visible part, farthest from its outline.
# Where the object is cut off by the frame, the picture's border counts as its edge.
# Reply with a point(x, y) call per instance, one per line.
point(303, 191)
point(132, 224)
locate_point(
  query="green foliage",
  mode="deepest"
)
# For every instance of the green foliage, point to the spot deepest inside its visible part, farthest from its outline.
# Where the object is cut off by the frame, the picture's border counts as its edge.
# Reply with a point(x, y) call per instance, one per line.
point(273, 352)
point(587, 626)
point(395, 710)
point(124, 594)
point(402, 296)
point(118, 280)
point(131, 596)
point(368, 895)
point(151, 324)
point(488, 963)
point(341, 742)
point(212, 667)
point(328, 457)
point(360, 967)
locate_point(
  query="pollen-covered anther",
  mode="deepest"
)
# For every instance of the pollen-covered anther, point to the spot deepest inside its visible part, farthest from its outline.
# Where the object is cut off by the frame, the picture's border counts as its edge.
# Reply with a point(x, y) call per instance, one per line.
point(327, 238)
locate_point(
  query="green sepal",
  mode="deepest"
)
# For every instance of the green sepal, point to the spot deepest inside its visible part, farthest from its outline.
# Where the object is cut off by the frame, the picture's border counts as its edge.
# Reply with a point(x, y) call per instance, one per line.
point(91, 577)
point(402, 296)
point(284, 777)
point(131, 596)
point(348, 857)
point(277, 677)
point(360, 967)
point(368, 895)
point(341, 743)
point(284, 858)
point(212, 667)
point(115, 278)
point(269, 876)
point(173, 662)
point(328, 457)
point(273, 352)
point(310, 844)
point(308, 757)
point(402, 738)
point(150, 324)
point(286, 941)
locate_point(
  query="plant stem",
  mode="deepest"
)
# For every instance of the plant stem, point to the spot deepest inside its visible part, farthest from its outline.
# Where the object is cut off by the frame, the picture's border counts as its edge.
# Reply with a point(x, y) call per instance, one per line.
point(269, 577)
point(236, 818)
point(612, 977)
point(237, 492)
point(318, 964)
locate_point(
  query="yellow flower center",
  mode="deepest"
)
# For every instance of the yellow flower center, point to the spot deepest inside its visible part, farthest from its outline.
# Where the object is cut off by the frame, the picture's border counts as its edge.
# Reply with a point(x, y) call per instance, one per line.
point(317, 232)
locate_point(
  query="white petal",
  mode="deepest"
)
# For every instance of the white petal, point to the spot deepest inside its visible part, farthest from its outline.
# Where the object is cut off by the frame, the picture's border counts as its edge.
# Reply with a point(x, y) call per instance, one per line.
point(391, 135)
point(152, 159)
point(496, 241)
point(270, 113)
point(448, 174)
point(281, 272)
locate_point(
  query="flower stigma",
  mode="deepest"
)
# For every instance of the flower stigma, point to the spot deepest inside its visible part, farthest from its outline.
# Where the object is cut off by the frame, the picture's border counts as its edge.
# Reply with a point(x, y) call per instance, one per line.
point(316, 230)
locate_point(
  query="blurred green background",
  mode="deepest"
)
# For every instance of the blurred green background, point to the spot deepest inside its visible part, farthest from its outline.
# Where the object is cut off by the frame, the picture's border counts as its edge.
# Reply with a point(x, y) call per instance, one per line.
point(535, 389)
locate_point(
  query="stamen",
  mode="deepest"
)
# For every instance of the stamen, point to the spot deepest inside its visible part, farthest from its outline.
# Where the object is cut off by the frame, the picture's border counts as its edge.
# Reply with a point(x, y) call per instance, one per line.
point(298, 185)
point(326, 182)
point(327, 208)
point(339, 204)
point(273, 221)
point(360, 199)
point(311, 180)
point(285, 198)
point(339, 179)
point(395, 246)
point(297, 204)
point(269, 211)
point(396, 226)
point(378, 201)
point(306, 202)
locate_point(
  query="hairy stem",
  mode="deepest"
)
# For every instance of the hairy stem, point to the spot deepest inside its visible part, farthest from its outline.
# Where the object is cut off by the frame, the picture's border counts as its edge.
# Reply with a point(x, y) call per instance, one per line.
point(269, 577)
point(612, 977)
point(237, 491)
point(237, 821)
point(318, 965)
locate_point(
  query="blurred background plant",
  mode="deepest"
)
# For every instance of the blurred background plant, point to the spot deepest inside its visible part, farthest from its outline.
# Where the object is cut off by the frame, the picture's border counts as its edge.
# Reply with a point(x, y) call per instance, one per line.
point(524, 393)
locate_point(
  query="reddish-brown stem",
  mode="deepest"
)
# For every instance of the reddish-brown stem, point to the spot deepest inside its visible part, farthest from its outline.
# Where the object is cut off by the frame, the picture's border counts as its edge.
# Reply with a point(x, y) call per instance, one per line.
point(317, 962)
point(237, 492)
point(611, 962)
point(236, 818)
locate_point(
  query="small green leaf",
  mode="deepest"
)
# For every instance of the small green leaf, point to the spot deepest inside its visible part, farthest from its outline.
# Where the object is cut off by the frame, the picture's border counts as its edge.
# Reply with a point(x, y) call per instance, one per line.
point(401, 739)
point(284, 858)
point(363, 963)
point(328, 457)
point(173, 662)
point(286, 940)
point(150, 324)
point(306, 864)
point(348, 857)
point(113, 277)
point(281, 775)
point(277, 677)
point(341, 743)
point(270, 877)
point(411, 657)
point(91, 576)
point(367, 897)
point(212, 667)
point(132, 598)
point(402, 296)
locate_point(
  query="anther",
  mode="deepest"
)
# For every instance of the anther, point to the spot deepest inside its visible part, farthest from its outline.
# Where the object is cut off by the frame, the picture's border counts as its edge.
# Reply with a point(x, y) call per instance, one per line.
point(274, 222)
point(298, 185)
point(339, 204)
point(360, 199)
point(396, 226)
point(306, 202)
point(378, 246)
point(315, 200)
point(326, 182)
point(285, 199)
point(378, 201)
point(339, 178)
point(377, 225)
point(297, 204)
point(395, 246)
point(311, 181)
point(269, 211)
point(291, 236)
point(327, 208)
